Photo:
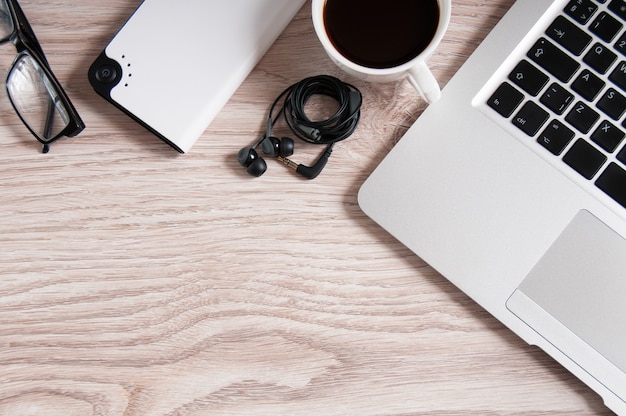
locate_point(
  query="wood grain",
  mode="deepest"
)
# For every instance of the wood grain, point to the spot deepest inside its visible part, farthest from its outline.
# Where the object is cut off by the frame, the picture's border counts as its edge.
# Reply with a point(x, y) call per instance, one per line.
point(136, 281)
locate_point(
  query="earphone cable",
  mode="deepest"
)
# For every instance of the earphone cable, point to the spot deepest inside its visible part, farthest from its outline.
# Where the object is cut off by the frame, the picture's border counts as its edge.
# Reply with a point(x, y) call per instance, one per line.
point(337, 127)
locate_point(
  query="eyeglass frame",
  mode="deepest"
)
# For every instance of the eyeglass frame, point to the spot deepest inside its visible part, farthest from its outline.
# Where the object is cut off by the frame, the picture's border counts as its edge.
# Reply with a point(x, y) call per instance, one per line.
point(26, 43)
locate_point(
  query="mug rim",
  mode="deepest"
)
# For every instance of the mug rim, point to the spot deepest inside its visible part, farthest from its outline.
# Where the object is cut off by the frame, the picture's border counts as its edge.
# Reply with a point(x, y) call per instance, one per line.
point(319, 26)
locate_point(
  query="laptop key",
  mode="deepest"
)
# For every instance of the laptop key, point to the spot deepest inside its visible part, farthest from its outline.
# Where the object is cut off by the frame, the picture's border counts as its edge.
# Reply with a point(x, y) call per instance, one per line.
point(605, 26)
point(600, 58)
point(613, 182)
point(618, 76)
point(557, 98)
point(505, 100)
point(584, 158)
point(582, 117)
point(619, 8)
point(621, 156)
point(607, 136)
point(553, 60)
point(612, 103)
point(528, 78)
point(588, 85)
point(555, 137)
point(568, 35)
point(620, 45)
point(530, 118)
point(581, 10)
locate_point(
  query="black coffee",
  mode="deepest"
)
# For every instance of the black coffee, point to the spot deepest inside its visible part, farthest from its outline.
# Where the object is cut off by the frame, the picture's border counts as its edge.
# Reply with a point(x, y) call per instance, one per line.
point(381, 33)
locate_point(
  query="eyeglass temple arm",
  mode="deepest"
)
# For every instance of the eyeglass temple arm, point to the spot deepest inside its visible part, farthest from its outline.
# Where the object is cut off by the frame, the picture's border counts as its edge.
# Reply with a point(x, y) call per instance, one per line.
point(47, 128)
point(27, 30)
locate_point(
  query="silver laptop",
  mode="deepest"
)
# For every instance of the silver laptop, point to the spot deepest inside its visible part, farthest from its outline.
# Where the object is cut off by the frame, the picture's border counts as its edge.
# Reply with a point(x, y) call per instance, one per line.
point(513, 185)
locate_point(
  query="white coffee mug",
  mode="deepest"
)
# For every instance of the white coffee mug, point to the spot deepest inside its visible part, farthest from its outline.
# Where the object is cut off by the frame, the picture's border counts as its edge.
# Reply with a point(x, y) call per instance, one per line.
point(415, 69)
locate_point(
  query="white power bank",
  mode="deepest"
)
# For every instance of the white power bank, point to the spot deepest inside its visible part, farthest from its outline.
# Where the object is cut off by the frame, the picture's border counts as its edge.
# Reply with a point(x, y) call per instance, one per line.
point(173, 66)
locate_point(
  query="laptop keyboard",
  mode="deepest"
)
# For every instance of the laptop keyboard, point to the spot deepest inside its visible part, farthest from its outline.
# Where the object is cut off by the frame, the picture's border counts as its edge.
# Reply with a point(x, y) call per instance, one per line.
point(569, 93)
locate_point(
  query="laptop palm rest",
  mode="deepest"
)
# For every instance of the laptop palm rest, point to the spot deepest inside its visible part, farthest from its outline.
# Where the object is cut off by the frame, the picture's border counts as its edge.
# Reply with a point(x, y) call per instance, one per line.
point(577, 291)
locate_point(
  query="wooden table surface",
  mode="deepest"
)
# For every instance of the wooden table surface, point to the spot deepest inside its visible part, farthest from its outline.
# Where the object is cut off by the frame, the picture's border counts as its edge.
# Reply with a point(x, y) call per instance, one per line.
point(137, 281)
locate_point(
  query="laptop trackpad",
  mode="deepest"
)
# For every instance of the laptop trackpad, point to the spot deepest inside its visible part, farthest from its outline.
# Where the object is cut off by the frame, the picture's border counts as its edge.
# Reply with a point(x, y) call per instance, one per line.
point(581, 282)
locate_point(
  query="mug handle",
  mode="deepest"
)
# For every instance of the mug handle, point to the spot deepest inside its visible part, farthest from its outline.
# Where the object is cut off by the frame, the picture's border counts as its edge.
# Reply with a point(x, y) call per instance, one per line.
point(424, 82)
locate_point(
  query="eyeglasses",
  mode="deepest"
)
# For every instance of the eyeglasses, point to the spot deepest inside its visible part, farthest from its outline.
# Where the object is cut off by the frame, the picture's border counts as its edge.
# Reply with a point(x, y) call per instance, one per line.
point(34, 91)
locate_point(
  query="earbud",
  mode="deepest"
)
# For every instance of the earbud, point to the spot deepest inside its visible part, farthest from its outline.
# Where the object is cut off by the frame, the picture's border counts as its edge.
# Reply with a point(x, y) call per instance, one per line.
point(250, 159)
point(281, 149)
point(273, 147)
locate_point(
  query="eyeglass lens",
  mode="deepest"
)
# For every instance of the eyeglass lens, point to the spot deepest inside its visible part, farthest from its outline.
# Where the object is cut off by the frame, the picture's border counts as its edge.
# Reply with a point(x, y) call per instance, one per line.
point(6, 22)
point(35, 98)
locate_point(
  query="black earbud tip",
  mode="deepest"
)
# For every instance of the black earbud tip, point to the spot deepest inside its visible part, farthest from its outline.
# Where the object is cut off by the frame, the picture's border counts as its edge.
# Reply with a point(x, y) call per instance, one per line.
point(246, 156)
point(257, 168)
point(286, 147)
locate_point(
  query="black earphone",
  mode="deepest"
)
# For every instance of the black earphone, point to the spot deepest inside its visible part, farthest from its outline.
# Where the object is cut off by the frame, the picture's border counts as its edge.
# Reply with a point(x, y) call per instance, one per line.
point(336, 128)
point(254, 164)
